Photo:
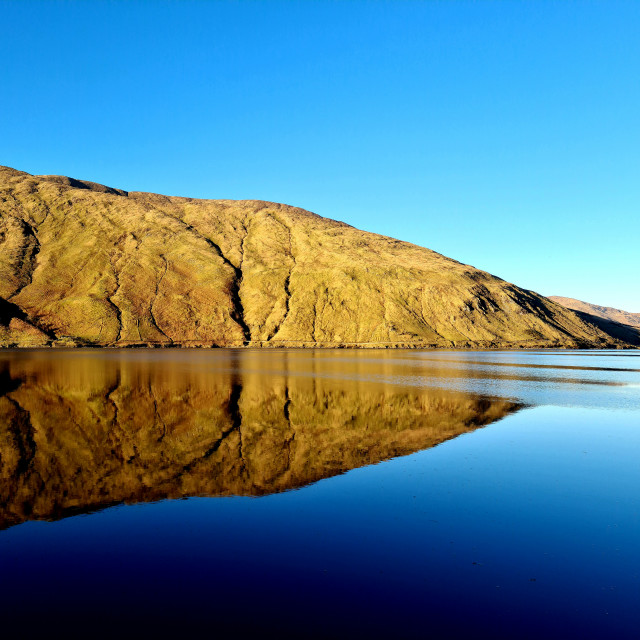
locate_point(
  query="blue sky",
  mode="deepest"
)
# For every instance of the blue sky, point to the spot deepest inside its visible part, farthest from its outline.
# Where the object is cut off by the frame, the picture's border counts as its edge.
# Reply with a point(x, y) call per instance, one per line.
point(503, 134)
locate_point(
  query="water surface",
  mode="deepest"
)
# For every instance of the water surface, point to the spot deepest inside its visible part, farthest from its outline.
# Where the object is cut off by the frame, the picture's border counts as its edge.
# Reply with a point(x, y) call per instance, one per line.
point(300, 493)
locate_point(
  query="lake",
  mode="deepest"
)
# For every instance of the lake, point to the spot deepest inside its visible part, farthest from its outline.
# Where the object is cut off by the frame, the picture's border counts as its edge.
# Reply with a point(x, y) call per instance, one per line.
point(320, 493)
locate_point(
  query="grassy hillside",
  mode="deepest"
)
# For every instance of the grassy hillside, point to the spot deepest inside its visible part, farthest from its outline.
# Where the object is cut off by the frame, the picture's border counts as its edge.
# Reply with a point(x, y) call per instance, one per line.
point(84, 264)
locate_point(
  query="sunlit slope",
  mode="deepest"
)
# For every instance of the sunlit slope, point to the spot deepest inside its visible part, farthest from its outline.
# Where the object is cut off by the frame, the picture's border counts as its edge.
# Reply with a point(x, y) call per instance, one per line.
point(81, 263)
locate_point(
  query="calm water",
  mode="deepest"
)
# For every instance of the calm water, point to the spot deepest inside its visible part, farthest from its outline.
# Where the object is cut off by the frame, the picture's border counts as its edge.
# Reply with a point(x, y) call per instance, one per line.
point(320, 493)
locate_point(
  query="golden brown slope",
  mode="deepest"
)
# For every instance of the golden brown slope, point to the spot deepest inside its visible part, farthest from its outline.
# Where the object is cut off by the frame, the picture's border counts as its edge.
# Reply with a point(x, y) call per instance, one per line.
point(607, 313)
point(86, 264)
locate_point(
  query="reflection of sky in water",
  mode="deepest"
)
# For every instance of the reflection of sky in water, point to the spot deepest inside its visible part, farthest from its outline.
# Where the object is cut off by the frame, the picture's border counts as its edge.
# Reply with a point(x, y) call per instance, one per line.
point(585, 379)
point(525, 528)
point(610, 381)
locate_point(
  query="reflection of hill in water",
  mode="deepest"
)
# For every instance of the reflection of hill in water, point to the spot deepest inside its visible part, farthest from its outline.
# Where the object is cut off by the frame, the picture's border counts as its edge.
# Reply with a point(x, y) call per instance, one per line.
point(81, 432)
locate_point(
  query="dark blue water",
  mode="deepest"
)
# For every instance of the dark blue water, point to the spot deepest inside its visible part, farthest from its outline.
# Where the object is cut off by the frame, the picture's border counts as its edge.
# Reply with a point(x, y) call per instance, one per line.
point(527, 526)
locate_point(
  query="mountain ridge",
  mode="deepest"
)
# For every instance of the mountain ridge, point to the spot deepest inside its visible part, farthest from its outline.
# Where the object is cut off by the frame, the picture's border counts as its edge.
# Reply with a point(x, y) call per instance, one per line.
point(83, 264)
point(607, 313)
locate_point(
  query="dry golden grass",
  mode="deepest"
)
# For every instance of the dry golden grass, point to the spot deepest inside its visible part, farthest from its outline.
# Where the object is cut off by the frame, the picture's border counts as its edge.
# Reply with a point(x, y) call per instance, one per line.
point(84, 264)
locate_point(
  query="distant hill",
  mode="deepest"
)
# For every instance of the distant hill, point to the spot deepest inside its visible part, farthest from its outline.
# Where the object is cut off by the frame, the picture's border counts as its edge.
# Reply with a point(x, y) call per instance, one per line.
point(85, 264)
point(608, 313)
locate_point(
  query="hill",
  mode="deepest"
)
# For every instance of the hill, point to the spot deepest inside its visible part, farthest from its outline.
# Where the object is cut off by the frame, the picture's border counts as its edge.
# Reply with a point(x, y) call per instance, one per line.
point(607, 313)
point(85, 264)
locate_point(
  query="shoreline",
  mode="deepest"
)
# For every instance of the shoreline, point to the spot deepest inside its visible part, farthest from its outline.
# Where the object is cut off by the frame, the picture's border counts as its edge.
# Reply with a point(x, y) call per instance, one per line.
point(324, 346)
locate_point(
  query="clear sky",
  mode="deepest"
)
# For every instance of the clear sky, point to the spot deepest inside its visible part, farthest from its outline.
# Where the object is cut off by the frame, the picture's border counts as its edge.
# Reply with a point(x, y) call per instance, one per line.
point(503, 134)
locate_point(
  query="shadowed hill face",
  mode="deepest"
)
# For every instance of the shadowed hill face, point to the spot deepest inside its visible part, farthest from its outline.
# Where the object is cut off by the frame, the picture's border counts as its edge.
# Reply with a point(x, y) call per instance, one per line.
point(83, 431)
point(606, 313)
point(86, 264)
